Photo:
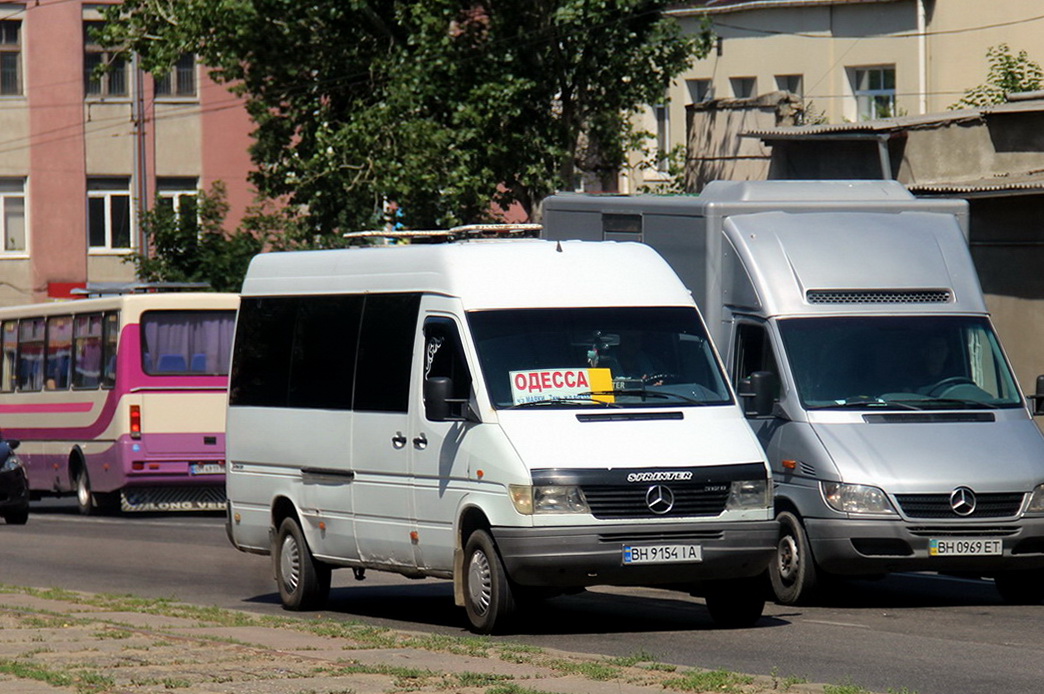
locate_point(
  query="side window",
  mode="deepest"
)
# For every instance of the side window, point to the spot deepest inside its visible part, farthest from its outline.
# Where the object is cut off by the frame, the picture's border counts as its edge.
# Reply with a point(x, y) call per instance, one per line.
point(382, 382)
point(110, 339)
point(30, 354)
point(444, 356)
point(322, 367)
point(10, 338)
point(753, 352)
point(87, 350)
point(264, 341)
point(59, 352)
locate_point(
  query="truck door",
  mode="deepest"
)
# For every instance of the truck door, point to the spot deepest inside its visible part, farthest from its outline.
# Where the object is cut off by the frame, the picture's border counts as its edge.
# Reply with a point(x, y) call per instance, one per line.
point(440, 462)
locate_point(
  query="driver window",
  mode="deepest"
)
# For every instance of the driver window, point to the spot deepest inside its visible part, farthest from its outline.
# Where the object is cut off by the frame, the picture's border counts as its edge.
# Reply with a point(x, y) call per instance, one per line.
point(754, 353)
point(444, 356)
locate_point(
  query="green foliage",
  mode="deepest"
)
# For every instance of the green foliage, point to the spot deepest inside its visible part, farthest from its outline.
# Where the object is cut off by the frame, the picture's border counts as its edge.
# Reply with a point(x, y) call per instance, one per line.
point(191, 245)
point(1008, 74)
point(453, 109)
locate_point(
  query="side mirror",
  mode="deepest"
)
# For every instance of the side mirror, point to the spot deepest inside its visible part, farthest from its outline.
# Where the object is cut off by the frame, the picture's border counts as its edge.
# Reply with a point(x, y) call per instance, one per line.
point(437, 391)
point(1038, 398)
point(761, 388)
point(13, 443)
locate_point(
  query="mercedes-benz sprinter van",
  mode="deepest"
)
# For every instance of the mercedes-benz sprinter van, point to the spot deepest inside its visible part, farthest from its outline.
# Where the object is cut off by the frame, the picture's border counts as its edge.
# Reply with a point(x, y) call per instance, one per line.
point(520, 416)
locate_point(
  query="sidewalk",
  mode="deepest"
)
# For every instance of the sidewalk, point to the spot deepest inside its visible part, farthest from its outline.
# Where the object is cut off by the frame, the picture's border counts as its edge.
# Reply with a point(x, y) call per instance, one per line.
point(59, 642)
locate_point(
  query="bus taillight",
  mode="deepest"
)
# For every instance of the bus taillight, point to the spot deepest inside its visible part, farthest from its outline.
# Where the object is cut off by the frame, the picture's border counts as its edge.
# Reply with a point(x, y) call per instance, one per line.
point(135, 421)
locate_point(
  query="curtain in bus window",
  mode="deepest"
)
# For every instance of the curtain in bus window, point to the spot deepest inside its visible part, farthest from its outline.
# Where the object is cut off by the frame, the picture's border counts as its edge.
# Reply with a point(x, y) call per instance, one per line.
point(7, 382)
point(30, 354)
point(87, 350)
point(187, 342)
point(59, 352)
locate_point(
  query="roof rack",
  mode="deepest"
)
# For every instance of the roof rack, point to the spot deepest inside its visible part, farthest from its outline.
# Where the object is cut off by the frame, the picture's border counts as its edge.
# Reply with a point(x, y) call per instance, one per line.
point(468, 231)
point(94, 289)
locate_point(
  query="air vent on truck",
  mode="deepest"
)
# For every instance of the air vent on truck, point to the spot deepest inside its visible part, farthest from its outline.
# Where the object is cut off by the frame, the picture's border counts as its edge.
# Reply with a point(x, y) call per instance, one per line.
point(886, 296)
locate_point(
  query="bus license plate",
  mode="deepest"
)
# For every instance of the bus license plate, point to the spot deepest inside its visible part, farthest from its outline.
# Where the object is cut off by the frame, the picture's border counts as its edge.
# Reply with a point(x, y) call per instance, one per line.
point(965, 547)
point(206, 469)
point(661, 554)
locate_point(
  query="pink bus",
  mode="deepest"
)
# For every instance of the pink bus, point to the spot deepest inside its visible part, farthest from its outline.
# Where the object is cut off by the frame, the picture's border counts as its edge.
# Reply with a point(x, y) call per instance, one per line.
point(120, 400)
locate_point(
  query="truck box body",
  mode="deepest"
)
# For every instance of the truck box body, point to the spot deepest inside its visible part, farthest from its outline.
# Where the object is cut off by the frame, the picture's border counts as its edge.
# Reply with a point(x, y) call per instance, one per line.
point(899, 439)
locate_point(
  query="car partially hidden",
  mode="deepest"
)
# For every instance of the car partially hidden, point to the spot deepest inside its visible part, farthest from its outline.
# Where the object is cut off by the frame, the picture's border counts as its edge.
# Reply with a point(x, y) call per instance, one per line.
point(14, 485)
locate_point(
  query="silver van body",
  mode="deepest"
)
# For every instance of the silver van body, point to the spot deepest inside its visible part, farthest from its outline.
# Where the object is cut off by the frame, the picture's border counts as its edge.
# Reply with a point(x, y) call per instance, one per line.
point(898, 437)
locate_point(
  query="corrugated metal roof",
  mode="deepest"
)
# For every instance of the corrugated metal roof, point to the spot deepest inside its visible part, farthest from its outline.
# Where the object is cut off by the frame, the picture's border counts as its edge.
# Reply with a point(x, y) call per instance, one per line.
point(1029, 182)
point(724, 6)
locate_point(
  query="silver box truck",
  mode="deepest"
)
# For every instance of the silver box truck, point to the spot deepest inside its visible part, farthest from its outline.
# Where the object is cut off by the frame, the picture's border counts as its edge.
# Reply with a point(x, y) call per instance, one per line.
point(851, 314)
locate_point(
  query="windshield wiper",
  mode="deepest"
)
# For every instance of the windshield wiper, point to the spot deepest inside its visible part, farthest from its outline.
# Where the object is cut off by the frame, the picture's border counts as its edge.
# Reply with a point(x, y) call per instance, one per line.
point(642, 393)
point(867, 404)
point(581, 399)
point(971, 404)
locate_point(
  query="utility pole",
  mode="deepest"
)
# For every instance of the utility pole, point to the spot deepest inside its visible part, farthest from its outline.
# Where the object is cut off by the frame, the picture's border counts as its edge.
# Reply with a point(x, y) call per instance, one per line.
point(140, 177)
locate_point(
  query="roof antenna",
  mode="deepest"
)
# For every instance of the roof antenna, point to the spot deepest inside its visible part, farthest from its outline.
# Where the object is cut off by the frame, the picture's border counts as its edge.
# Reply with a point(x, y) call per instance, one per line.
point(558, 246)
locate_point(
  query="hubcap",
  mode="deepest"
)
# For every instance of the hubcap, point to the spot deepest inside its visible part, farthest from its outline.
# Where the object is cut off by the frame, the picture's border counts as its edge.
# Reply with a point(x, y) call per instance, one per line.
point(480, 585)
point(787, 558)
point(290, 564)
point(83, 494)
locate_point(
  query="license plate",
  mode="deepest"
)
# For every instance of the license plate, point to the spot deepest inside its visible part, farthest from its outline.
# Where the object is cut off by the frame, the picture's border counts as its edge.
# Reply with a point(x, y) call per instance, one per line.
point(206, 469)
point(965, 547)
point(661, 554)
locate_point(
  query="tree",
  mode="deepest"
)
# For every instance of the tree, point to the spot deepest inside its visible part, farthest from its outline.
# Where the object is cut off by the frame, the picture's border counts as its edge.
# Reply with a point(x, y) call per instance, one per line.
point(450, 108)
point(1008, 74)
point(190, 244)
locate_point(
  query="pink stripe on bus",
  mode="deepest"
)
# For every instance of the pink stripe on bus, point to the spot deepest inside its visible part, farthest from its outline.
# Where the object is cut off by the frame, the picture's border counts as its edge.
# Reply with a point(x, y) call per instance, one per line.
point(47, 407)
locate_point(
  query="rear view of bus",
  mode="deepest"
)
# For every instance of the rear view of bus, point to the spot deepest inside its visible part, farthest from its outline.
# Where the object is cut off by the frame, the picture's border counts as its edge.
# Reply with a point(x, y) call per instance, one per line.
point(120, 400)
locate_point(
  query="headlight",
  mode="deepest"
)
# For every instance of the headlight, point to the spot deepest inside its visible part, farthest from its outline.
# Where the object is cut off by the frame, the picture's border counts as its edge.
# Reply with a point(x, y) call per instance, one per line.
point(748, 494)
point(12, 463)
point(856, 498)
point(1036, 504)
point(548, 499)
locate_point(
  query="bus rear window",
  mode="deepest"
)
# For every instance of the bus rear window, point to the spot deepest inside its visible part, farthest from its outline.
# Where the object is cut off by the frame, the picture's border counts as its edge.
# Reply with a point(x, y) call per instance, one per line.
point(196, 343)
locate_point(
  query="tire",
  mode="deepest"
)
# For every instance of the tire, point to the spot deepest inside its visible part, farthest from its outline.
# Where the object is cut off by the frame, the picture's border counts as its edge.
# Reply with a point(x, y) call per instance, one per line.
point(304, 583)
point(85, 500)
point(1021, 587)
point(488, 597)
point(793, 572)
point(19, 517)
point(737, 603)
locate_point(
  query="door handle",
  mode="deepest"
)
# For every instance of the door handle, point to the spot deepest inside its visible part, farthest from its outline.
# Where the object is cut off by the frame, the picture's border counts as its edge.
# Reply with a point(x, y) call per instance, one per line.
point(420, 441)
point(399, 440)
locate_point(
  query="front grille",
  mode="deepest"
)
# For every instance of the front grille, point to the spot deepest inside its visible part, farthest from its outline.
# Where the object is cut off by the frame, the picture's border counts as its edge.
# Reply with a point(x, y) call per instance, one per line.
point(924, 296)
point(1001, 505)
point(618, 501)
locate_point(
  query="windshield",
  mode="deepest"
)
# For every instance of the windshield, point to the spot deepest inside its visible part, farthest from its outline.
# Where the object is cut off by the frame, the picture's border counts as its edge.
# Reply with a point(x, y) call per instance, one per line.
point(597, 357)
point(187, 342)
point(906, 362)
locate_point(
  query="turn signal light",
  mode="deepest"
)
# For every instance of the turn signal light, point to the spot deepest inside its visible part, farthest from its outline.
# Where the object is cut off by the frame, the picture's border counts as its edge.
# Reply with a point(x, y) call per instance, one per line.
point(135, 421)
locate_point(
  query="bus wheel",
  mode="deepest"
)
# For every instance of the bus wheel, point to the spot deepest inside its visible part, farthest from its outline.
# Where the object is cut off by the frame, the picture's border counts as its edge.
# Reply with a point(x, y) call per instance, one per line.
point(736, 603)
point(304, 583)
point(793, 571)
point(488, 598)
point(84, 496)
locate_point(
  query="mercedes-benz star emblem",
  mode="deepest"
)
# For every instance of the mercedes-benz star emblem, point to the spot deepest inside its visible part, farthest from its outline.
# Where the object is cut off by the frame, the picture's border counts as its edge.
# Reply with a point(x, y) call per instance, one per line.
point(962, 501)
point(659, 499)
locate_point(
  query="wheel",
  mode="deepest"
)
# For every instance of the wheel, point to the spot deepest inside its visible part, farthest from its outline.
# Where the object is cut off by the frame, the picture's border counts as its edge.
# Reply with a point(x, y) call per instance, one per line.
point(1021, 587)
point(793, 573)
point(947, 383)
point(304, 583)
point(18, 517)
point(488, 598)
point(736, 603)
point(84, 497)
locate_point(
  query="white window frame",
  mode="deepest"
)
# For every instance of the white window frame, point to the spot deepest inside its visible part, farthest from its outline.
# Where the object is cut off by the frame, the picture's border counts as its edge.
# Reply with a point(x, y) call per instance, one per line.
point(13, 48)
point(107, 190)
point(12, 189)
point(867, 98)
point(104, 83)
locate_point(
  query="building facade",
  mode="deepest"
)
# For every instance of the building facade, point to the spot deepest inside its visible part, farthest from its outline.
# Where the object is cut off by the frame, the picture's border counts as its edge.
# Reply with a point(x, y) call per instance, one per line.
point(81, 155)
point(847, 60)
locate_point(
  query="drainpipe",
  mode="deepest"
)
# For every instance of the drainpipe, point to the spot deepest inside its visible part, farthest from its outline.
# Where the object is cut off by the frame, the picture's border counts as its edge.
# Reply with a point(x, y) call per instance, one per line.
point(922, 55)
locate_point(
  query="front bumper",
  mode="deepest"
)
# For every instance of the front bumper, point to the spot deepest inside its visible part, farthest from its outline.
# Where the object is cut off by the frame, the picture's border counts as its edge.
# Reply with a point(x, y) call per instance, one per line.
point(587, 556)
point(864, 547)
